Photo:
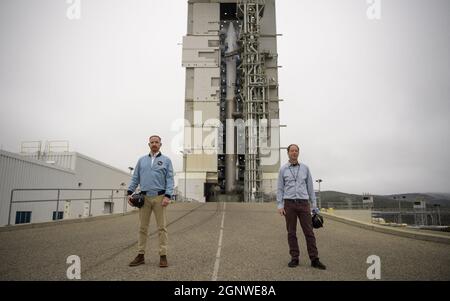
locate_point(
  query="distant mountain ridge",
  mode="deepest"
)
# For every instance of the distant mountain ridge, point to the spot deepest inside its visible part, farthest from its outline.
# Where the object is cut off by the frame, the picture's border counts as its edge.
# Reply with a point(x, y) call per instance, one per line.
point(406, 199)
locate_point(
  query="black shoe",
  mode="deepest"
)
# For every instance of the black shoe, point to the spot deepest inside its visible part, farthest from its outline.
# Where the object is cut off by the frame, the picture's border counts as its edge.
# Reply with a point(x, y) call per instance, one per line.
point(318, 265)
point(293, 263)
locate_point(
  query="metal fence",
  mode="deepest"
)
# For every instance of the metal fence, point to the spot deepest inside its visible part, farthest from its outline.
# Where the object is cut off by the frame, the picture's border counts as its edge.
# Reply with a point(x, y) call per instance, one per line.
point(419, 217)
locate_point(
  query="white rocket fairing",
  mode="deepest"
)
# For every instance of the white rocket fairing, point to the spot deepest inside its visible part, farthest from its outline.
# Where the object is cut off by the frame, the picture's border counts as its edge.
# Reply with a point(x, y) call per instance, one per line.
point(230, 157)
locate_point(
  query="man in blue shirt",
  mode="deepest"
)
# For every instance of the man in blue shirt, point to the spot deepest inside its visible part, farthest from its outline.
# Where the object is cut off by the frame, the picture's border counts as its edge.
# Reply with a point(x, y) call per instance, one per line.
point(154, 175)
point(295, 190)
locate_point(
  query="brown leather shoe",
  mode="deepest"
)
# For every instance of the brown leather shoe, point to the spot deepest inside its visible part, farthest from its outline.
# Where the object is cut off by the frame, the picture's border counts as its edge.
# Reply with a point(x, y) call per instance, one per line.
point(163, 262)
point(137, 261)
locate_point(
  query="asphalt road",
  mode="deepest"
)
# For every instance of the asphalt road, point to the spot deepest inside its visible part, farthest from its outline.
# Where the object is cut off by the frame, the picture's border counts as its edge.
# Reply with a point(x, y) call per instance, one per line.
point(232, 241)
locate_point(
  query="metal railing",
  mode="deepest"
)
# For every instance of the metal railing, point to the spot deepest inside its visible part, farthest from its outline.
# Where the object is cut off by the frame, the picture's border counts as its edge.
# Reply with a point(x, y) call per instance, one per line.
point(421, 217)
point(60, 199)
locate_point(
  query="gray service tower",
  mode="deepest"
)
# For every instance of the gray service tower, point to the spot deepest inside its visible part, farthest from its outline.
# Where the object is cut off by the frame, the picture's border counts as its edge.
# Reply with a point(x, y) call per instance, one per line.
point(232, 131)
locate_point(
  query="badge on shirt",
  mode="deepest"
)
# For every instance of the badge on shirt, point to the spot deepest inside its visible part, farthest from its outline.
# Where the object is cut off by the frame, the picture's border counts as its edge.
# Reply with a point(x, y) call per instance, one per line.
point(160, 163)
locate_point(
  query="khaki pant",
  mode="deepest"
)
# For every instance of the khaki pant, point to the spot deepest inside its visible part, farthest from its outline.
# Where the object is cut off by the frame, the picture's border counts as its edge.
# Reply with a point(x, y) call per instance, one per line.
point(153, 204)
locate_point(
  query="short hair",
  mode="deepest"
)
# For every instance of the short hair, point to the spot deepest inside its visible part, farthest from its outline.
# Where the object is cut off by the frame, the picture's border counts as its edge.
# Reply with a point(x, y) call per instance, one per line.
point(155, 136)
point(289, 147)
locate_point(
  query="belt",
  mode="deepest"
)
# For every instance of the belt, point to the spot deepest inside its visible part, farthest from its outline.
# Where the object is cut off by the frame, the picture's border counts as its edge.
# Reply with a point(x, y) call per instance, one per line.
point(296, 200)
point(151, 193)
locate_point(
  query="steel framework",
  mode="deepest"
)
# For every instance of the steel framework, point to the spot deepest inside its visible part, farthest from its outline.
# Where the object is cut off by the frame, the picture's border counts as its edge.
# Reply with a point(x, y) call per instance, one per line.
point(254, 94)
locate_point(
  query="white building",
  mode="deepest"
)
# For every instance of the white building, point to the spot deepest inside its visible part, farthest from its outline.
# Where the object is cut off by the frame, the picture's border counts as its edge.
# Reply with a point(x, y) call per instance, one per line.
point(83, 186)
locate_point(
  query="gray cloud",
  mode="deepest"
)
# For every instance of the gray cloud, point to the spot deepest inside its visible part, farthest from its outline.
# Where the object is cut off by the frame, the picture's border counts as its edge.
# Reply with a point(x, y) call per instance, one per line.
point(368, 101)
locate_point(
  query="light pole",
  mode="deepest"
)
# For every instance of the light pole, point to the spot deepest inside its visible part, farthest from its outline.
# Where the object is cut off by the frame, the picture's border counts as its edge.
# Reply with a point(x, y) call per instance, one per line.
point(320, 196)
point(400, 208)
point(438, 212)
point(184, 168)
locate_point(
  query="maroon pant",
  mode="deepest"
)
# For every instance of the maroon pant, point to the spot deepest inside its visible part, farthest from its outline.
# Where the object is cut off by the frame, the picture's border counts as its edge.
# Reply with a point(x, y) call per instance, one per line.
point(302, 211)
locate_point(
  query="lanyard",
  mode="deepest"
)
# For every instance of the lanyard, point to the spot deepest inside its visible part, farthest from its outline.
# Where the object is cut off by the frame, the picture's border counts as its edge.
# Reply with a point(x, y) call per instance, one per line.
point(296, 175)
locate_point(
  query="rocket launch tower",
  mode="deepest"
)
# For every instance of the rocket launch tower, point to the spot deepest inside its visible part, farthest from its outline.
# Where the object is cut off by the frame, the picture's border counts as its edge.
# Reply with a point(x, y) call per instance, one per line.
point(232, 131)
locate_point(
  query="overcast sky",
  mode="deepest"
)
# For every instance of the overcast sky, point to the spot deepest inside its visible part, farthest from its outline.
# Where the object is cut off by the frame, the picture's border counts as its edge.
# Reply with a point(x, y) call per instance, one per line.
point(368, 101)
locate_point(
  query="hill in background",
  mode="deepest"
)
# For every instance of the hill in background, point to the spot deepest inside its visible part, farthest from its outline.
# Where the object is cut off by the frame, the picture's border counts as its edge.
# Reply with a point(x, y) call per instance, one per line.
point(335, 199)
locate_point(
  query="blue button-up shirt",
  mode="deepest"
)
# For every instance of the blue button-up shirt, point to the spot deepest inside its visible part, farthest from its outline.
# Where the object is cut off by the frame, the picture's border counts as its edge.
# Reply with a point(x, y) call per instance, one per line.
point(153, 175)
point(295, 182)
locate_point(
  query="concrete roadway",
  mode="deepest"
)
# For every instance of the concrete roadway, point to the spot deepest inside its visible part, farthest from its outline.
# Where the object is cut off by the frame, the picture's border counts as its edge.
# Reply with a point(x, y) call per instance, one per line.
point(253, 247)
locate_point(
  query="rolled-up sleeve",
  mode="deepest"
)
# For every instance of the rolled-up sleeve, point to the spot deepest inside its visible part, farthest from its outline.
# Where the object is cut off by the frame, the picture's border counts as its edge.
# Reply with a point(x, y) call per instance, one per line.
point(280, 190)
point(169, 179)
point(310, 187)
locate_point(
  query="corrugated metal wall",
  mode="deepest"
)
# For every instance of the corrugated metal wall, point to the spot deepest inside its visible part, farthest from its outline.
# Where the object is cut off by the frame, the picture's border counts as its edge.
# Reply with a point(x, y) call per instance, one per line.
point(94, 174)
point(17, 172)
point(65, 160)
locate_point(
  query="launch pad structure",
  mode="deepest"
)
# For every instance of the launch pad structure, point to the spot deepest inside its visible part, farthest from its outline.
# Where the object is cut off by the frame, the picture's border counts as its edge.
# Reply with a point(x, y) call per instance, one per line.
point(232, 131)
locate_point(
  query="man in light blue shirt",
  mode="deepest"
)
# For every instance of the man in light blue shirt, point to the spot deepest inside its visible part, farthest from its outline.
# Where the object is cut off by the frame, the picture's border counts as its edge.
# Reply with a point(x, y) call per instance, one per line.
point(295, 191)
point(154, 175)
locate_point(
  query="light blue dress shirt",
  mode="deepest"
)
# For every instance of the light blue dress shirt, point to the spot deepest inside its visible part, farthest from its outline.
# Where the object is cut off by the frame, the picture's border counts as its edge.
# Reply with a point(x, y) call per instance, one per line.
point(295, 182)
